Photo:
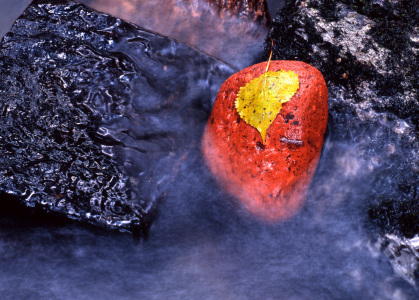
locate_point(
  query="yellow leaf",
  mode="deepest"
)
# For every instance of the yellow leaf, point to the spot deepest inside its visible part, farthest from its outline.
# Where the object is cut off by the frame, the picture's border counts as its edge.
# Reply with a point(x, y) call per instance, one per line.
point(259, 101)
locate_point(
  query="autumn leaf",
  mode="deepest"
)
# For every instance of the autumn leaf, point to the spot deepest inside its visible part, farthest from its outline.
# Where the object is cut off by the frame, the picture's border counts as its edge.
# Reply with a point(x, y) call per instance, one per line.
point(260, 100)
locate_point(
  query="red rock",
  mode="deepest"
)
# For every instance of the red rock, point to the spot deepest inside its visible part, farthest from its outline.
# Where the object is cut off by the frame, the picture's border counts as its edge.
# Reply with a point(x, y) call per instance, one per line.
point(271, 180)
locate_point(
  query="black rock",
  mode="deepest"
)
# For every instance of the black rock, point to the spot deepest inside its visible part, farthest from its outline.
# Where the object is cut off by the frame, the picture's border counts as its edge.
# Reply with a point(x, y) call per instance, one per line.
point(96, 113)
point(368, 56)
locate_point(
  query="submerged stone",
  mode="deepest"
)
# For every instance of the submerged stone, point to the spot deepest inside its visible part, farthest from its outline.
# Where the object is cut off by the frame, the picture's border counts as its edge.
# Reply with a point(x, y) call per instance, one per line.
point(96, 113)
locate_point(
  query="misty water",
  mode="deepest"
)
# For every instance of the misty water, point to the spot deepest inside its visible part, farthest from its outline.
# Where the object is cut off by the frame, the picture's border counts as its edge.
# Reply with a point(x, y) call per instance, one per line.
point(202, 245)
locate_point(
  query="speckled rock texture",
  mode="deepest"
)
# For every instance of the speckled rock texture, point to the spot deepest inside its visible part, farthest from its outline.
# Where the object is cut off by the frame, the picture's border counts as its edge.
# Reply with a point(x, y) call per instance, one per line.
point(271, 179)
point(91, 114)
point(368, 54)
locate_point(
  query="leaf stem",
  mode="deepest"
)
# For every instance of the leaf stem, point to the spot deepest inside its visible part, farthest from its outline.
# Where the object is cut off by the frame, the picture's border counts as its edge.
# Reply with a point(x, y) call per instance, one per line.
point(270, 56)
point(264, 81)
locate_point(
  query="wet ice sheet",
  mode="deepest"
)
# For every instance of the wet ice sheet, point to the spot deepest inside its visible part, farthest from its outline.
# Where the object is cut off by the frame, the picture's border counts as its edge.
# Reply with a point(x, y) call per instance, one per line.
point(97, 114)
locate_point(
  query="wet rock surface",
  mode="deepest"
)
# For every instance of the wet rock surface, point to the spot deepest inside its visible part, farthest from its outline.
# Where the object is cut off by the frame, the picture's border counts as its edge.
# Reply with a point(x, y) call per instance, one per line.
point(368, 56)
point(97, 114)
point(403, 254)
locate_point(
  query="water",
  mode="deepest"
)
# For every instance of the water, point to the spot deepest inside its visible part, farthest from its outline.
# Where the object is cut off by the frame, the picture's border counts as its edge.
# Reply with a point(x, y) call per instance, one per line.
point(202, 245)
point(235, 40)
point(9, 12)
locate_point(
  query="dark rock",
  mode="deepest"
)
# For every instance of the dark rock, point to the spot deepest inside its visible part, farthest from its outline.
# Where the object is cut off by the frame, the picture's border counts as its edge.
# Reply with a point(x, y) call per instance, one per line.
point(368, 56)
point(367, 52)
point(96, 113)
point(402, 215)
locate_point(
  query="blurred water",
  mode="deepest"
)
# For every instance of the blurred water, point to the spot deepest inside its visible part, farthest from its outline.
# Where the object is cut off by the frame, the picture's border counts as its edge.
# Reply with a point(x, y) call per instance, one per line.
point(274, 6)
point(10, 10)
point(236, 40)
point(203, 246)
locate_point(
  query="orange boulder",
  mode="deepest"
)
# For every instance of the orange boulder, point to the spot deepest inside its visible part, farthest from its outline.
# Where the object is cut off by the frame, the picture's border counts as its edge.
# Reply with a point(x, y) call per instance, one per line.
point(270, 179)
